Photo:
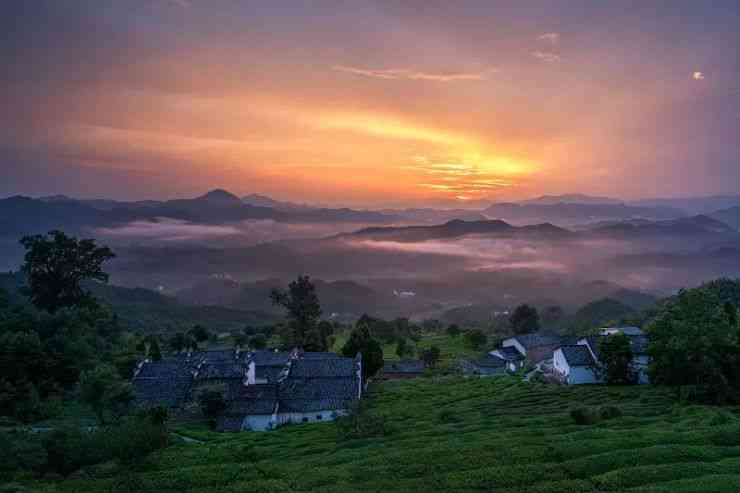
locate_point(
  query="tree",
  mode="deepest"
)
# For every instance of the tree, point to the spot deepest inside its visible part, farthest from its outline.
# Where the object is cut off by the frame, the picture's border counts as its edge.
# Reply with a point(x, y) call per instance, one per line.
point(404, 349)
point(695, 343)
point(56, 265)
point(180, 342)
point(155, 353)
point(240, 340)
point(258, 341)
point(615, 355)
point(475, 339)
point(431, 356)
point(105, 392)
point(212, 404)
point(360, 341)
point(200, 333)
point(552, 315)
point(303, 309)
point(524, 320)
point(453, 330)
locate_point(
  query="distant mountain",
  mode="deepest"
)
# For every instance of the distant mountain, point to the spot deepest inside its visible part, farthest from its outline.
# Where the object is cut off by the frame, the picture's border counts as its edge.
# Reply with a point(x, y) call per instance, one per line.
point(458, 228)
point(435, 216)
point(568, 214)
point(265, 201)
point(688, 226)
point(729, 216)
point(574, 198)
point(693, 205)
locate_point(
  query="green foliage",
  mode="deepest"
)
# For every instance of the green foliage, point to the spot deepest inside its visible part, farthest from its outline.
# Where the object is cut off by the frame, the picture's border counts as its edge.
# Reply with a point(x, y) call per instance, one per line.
point(212, 404)
point(524, 320)
point(552, 316)
point(585, 415)
point(180, 342)
point(360, 341)
point(404, 349)
point(695, 343)
point(303, 311)
point(105, 392)
point(453, 330)
point(431, 356)
point(56, 265)
point(199, 333)
point(475, 339)
point(258, 341)
point(615, 356)
point(602, 312)
point(361, 422)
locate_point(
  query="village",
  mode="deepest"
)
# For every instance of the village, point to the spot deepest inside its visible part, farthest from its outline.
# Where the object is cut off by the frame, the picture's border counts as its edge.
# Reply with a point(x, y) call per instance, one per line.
point(265, 389)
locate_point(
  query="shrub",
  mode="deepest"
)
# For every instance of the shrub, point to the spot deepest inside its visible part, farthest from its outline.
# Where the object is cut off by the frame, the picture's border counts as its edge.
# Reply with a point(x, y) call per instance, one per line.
point(584, 416)
point(447, 416)
point(610, 412)
point(360, 422)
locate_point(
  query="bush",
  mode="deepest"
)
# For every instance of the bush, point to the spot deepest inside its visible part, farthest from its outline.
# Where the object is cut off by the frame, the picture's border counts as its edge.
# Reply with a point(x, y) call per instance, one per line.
point(360, 422)
point(584, 416)
point(610, 412)
point(448, 416)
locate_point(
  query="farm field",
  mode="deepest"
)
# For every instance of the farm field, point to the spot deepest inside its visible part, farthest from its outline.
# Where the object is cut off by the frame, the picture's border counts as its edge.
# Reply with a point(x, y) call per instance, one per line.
point(457, 434)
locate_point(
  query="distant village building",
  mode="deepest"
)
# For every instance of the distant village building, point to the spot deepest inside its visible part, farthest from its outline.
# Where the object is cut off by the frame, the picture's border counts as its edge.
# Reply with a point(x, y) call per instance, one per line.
point(403, 369)
point(574, 365)
point(486, 366)
point(638, 342)
point(538, 346)
point(262, 389)
point(511, 355)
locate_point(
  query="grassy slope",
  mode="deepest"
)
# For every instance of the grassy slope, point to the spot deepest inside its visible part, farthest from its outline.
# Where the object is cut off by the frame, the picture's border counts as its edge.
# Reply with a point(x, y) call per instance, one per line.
point(508, 436)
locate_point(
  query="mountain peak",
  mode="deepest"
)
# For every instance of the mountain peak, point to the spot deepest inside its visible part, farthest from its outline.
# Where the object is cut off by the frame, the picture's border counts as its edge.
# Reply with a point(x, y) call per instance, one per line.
point(221, 196)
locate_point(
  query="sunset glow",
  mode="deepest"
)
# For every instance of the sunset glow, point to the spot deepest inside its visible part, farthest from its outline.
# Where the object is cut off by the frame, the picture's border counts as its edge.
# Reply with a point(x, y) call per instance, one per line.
point(372, 103)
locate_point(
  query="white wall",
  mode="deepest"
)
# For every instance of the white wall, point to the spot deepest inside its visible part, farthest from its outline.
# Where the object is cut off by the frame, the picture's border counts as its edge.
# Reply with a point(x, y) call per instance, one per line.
point(574, 375)
point(257, 422)
point(312, 417)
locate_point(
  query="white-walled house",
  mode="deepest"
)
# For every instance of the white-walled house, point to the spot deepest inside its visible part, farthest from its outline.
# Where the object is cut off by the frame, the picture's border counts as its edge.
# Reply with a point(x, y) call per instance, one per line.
point(535, 347)
point(511, 355)
point(638, 342)
point(574, 365)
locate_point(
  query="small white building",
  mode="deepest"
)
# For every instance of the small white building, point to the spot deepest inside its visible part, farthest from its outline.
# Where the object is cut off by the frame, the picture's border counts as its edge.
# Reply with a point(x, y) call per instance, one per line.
point(638, 342)
point(574, 365)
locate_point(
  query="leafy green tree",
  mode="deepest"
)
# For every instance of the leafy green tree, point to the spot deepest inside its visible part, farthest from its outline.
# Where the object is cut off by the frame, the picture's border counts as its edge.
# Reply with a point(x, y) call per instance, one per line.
point(552, 315)
point(615, 356)
point(200, 333)
point(695, 343)
point(212, 404)
point(258, 341)
point(475, 339)
point(453, 330)
point(524, 320)
point(240, 340)
point(404, 349)
point(105, 392)
point(56, 265)
point(155, 353)
point(303, 309)
point(360, 341)
point(431, 356)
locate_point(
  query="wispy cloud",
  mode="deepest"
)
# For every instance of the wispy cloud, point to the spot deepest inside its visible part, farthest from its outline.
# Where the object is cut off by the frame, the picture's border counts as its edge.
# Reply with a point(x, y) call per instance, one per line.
point(408, 74)
point(698, 75)
point(180, 3)
point(546, 56)
point(552, 38)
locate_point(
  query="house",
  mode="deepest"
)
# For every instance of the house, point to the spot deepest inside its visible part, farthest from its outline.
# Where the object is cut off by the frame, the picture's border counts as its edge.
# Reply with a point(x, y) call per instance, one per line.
point(574, 364)
point(404, 369)
point(638, 342)
point(486, 366)
point(511, 355)
point(310, 387)
point(265, 366)
point(538, 346)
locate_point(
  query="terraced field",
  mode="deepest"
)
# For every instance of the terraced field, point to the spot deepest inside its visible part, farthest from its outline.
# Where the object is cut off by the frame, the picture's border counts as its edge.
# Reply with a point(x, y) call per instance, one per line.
point(455, 434)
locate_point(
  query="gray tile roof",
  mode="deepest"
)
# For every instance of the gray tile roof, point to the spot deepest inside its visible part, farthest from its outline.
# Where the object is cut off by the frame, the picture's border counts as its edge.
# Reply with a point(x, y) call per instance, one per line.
point(319, 355)
point(268, 358)
point(330, 367)
point(490, 362)
point(510, 353)
point(316, 394)
point(539, 339)
point(577, 355)
point(163, 383)
point(220, 370)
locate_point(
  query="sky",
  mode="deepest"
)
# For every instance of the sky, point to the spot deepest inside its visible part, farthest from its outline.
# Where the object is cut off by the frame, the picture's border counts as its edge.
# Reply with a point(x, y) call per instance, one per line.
point(371, 103)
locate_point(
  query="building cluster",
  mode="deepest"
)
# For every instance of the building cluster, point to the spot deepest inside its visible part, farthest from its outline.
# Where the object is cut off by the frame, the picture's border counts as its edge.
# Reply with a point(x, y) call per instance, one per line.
point(262, 389)
point(570, 360)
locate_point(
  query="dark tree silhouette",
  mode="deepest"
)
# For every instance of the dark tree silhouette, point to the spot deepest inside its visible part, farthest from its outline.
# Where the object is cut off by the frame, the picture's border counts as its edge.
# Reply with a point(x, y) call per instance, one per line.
point(56, 265)
point(524, 320)
point(304, 311)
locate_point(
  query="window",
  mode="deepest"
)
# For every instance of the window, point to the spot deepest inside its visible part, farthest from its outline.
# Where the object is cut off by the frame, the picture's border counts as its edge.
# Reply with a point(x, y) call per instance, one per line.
point(305, 420)
point(318, 417)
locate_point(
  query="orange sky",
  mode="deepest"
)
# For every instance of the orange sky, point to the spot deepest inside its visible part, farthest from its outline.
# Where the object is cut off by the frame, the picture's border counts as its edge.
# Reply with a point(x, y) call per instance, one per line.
point(378, 104)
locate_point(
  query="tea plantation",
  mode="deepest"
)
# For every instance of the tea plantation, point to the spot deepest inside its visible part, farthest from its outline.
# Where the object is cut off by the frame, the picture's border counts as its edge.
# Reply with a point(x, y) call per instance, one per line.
point(456, 434)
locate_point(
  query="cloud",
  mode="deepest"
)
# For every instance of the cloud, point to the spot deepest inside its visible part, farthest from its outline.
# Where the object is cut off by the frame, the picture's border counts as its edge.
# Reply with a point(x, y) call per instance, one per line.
point(546, 56)
point(698, 75)
point(408, 74)
point(180, 3)
point(552, 38)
